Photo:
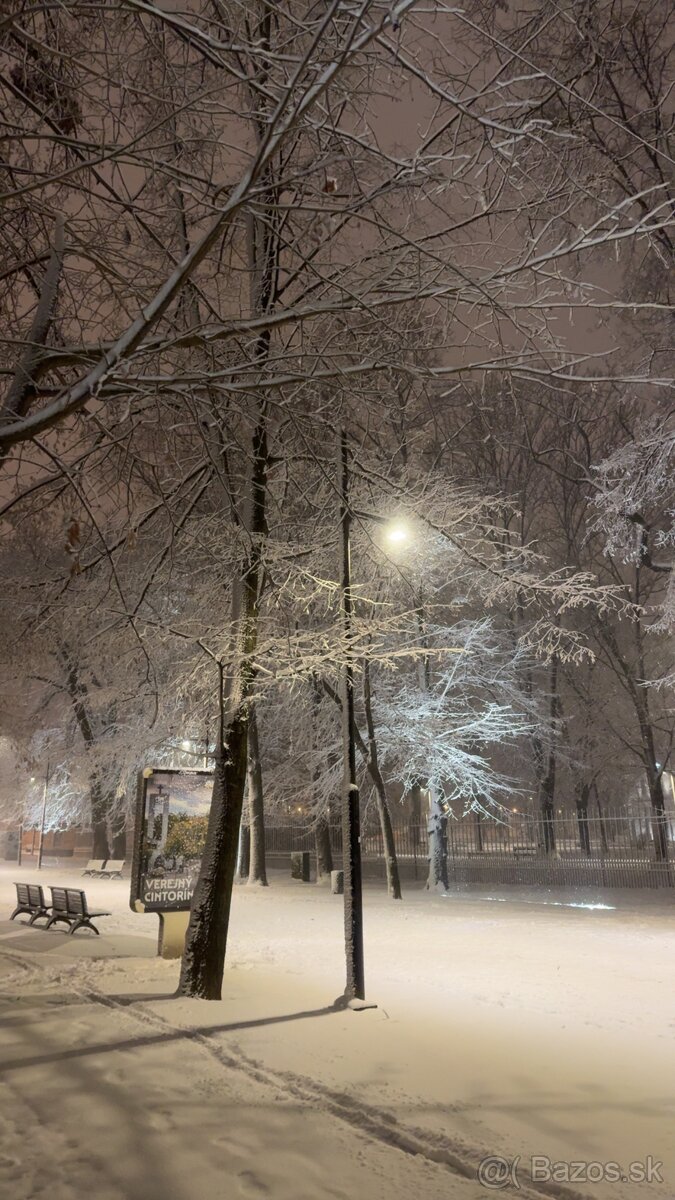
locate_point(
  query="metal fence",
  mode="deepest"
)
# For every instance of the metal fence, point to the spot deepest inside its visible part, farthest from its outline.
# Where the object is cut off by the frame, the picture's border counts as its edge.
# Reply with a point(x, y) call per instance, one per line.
point(564, 851)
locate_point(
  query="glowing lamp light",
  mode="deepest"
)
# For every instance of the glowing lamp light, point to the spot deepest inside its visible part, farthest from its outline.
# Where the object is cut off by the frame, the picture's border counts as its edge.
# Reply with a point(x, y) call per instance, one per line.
point(397, 534)
point(185, 744)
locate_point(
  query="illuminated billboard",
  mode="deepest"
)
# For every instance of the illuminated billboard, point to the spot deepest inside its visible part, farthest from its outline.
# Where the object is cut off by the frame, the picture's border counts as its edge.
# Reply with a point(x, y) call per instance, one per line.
point(172, 812)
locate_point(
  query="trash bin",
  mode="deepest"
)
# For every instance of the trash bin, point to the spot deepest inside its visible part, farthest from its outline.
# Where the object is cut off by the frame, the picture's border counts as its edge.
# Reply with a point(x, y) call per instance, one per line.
point(300, 865)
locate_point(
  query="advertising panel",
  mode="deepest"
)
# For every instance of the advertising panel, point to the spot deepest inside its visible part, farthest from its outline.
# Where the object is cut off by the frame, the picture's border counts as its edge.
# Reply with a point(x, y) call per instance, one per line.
point(172, 812)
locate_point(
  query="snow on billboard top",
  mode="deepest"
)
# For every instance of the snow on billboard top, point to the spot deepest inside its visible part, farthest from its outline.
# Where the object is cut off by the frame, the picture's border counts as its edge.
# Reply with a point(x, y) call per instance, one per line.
point(172, 811)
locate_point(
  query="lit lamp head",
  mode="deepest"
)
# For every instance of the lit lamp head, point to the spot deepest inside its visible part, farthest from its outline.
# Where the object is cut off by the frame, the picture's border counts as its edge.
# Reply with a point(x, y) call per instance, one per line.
point(397, 533)
point(185, 744)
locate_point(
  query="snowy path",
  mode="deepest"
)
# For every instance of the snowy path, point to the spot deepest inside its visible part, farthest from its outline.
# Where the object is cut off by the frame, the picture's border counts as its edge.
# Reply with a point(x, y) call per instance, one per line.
point(121, 1102)
point(499, 1030)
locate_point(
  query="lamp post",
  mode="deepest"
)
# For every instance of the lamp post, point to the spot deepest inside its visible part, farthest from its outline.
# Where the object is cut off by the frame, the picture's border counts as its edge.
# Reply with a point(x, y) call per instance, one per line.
point(355, 988)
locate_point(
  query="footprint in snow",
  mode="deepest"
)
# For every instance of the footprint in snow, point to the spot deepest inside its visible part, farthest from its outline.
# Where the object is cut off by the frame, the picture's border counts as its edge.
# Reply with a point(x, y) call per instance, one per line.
point(251, 1185)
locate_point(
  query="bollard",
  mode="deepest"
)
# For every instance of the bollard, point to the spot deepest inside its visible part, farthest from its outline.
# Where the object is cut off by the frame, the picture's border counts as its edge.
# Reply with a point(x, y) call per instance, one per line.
point(172, 931)
point(337, 883)
point(300, 865)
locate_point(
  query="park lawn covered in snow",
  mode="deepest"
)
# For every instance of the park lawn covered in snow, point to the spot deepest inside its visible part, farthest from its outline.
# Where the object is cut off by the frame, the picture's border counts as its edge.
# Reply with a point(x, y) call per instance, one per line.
point(502, 1028)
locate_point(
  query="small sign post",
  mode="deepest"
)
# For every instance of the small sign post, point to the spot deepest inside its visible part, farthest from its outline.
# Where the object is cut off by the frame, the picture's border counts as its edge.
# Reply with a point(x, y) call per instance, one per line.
point(172, 810)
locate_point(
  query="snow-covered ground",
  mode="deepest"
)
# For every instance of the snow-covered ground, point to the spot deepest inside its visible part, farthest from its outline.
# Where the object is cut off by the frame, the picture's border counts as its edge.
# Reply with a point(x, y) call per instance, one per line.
point(503, 1027)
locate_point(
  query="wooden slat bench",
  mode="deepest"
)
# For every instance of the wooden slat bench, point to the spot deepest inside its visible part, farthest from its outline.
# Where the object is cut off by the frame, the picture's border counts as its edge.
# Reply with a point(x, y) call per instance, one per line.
point(31, 901)
point(70, 905)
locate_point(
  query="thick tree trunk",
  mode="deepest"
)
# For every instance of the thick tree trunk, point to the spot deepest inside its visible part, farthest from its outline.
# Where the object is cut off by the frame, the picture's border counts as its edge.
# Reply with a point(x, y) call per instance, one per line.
point(438, 844)
point(99, 820)
point(206, 941)
point(257, 873)
point(206, 938)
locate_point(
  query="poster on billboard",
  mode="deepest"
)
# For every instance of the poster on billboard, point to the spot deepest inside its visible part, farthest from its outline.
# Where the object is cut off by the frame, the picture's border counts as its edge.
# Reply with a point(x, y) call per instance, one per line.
point(172, 812)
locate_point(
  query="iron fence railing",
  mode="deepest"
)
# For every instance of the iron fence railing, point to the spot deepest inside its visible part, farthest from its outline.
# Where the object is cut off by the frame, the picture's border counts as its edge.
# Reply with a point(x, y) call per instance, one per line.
point(565, 850)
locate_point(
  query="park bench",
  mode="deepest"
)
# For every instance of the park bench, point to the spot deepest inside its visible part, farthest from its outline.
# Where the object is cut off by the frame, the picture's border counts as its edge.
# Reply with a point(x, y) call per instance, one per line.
point(31, 901)
point(70, 905)
point(113, 868)
point(94, 866)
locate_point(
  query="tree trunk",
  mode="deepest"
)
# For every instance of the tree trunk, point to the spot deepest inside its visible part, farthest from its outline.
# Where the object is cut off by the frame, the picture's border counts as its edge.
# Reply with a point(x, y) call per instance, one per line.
point(601, 821)
point(437, 820)
point(659, 819)
point(438, 844)
point(640, 696)
point(416, 814)
point(99, 800)
point(99, 820)
point(322, 844)
point(257, 873)
point(479, 831)
point(393, 880)
point(547, 809)
point(324, 851)
point(544, 757)
point(388, 842)
point(206, 941)
point(244, 864)
point(581, 798)
point(547, 783)
point(118, 833)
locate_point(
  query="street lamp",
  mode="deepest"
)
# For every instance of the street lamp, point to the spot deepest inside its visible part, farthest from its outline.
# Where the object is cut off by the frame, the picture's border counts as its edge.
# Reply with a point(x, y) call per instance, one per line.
point(396, 533)
point(355, 987)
